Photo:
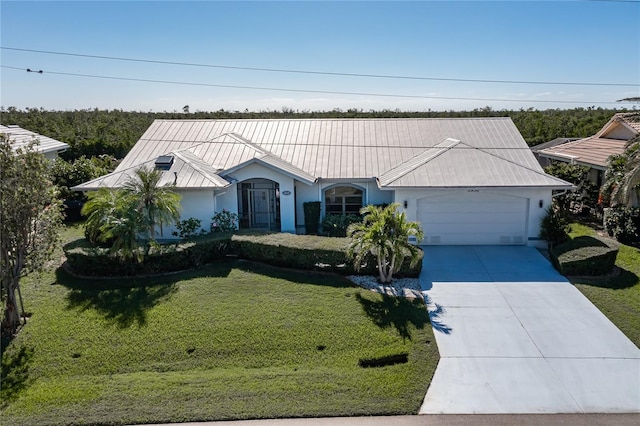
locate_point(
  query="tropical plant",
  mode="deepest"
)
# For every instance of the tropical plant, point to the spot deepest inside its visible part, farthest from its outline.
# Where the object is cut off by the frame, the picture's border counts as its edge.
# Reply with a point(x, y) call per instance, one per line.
point(384, 233)
point(188, 228)
point(224, 221)
point(30, 218)
point(554, 226)
point(120, 217)
point(622, 178)
point(336, 225)
point(586, 192)
point(156, 203)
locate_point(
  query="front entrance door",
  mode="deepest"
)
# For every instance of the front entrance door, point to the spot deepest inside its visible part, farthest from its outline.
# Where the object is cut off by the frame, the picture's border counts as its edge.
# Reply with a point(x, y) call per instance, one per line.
point(259, 212)
point(259, 204)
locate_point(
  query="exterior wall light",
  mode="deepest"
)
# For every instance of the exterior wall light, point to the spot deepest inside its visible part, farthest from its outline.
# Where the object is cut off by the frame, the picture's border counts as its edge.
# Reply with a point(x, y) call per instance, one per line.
point(406, 203)
point(540, 203)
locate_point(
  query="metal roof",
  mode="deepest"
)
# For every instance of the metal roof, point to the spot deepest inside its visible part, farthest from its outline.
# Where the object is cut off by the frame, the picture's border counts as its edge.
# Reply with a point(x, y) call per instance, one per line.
point(20, 138)
point(490, 151)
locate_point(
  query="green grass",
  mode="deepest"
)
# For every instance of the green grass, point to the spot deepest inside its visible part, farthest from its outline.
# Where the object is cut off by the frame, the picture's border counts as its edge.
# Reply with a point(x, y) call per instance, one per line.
point(229, 341)
point(618, 297)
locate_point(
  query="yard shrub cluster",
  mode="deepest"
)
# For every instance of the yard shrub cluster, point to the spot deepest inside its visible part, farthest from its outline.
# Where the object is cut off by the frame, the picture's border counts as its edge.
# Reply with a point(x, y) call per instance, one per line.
point(585, 256)
point(336, 225)
point(87, 260)
point(308, 252)
point(623, 223)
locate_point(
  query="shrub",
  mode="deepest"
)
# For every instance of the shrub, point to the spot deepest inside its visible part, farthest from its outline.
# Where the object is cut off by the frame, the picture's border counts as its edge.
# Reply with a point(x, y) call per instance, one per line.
point(188, 228)
point(224, 221)
point(308, 252)
point(585, 256)
point(554, 227)
point(623, 223)
point(311, 216)
point(86, 260)
point(336, 225)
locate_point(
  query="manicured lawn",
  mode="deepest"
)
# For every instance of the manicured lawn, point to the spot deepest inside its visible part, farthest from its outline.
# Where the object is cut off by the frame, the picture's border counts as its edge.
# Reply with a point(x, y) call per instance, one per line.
point(618, 297)
point(229, 341)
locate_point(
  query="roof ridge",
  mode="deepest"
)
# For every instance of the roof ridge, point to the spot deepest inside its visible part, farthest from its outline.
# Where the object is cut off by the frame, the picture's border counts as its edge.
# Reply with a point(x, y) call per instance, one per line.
point(418, 160)
point(198, 167)
point(541, 173)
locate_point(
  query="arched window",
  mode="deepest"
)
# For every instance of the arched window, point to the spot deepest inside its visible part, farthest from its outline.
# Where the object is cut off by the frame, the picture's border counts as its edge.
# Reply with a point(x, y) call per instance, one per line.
point(343, 200)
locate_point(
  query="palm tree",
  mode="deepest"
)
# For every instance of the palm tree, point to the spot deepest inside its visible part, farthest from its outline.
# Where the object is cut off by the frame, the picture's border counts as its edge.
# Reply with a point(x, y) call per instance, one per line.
point(384, 233)
point(156, 204)
point(622, 179)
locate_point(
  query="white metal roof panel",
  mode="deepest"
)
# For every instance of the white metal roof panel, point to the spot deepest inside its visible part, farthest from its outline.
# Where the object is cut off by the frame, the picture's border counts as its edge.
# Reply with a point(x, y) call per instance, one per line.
point(353, 148)
point(20, 138)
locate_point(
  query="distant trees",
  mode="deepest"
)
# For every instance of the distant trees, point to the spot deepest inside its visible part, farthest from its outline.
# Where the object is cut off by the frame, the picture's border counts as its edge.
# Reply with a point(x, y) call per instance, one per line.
point(94, 132)
point(30, 218)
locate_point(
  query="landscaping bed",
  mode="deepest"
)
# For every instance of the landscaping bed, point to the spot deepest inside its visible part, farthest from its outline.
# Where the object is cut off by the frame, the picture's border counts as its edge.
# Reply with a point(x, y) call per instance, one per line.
point(231, 340)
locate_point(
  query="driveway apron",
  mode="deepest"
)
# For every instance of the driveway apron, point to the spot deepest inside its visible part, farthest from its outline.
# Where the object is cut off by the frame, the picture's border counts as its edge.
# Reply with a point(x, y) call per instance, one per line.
point(516, 337)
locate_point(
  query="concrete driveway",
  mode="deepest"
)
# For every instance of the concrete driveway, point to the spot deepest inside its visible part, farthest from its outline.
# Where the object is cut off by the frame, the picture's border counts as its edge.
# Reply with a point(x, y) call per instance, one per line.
point(516, 337)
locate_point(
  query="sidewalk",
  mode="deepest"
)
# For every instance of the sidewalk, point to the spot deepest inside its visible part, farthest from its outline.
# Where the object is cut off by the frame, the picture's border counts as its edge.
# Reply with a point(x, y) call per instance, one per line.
point(445, 420)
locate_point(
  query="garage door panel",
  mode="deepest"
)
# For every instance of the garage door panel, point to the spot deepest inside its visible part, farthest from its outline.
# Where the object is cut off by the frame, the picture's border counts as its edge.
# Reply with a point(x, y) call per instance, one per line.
point(473, 218)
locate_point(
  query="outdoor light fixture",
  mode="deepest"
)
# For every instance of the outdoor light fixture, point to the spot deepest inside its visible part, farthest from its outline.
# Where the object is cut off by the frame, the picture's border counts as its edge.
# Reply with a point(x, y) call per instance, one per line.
point(540, 203)
point(405, 204)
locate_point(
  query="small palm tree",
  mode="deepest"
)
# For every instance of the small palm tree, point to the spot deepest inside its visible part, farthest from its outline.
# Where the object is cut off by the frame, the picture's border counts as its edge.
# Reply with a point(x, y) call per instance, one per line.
point(156, 204)
point(384, 233)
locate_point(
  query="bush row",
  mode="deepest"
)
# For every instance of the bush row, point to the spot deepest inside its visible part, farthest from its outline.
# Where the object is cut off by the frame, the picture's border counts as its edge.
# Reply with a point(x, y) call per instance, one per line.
point(309, 252)
point(100, 262)
point(305, 252)
point(585, 256)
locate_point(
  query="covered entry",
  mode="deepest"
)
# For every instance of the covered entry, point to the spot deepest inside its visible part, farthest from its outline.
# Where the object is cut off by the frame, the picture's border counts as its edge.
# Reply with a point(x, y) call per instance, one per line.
point(473, 217)
point(259, 204)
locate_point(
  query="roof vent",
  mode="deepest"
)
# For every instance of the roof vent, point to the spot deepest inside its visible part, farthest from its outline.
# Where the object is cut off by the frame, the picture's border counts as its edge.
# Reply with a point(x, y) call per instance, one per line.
point(164, 162)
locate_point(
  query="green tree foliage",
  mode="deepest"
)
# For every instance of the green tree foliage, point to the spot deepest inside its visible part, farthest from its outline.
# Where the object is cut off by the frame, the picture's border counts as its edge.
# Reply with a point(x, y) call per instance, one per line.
point(67, 174)
point(156, 204)
point(622, 179)
point(93, 132)
point(125, 217)
point(586, 192)
point(554, 226)
point(384, 233)
point(30, 218)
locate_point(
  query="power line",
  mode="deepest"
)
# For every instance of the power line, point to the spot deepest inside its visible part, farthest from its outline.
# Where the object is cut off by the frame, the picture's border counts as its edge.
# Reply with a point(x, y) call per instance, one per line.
point(325, 92)
point(341, 74)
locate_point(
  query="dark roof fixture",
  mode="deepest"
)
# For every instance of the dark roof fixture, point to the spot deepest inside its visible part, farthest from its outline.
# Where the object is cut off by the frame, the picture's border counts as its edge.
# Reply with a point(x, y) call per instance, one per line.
point(164, 162)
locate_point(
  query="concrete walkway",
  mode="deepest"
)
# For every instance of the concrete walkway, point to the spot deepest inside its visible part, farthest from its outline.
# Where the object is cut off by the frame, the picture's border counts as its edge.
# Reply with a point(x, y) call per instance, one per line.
point(516, 337)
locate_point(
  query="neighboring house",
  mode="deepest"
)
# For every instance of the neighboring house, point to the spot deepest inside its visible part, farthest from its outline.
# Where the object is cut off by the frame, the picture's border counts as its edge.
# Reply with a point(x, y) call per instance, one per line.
point(595, 150)
point(467, 181)
point(544, 161)
point(20, 137)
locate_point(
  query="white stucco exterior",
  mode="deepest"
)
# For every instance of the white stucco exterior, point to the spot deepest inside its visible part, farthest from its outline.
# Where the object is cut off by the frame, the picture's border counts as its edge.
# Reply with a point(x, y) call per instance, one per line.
point(536, 202)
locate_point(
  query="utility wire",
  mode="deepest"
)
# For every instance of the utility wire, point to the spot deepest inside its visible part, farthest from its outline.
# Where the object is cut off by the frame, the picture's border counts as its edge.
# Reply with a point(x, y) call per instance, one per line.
point(341, 74)
point(279, 89)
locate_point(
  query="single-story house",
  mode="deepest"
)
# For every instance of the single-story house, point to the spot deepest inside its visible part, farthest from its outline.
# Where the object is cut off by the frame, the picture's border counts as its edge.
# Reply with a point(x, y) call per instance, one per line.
point(466, 180)
point(20, 137)
point(594, 151)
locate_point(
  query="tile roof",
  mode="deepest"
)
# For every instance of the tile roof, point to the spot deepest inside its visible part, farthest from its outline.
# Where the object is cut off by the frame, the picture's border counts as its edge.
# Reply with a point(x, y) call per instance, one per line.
point(21, 137)
point(590, 151)
point(308, 149)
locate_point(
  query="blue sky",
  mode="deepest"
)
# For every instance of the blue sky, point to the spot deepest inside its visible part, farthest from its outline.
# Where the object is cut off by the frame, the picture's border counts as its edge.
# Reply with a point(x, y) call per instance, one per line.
point(523, 41)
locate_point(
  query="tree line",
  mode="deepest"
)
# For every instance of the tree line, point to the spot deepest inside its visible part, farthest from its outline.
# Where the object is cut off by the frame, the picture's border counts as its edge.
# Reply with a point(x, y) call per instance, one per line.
point(94, 132)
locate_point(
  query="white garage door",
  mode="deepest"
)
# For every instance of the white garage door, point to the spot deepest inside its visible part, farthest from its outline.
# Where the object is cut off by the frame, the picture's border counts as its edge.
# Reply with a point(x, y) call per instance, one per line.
point(473, 218)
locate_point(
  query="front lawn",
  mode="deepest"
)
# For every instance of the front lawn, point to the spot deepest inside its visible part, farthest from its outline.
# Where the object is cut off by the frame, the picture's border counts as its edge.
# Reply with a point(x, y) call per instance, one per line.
point(232, 340)
point(618, 297)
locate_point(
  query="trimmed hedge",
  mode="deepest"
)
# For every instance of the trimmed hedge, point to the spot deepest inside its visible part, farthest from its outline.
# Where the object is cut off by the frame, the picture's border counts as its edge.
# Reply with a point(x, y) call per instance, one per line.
point(585, 256)
point(308, 252)
point(85, 260)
